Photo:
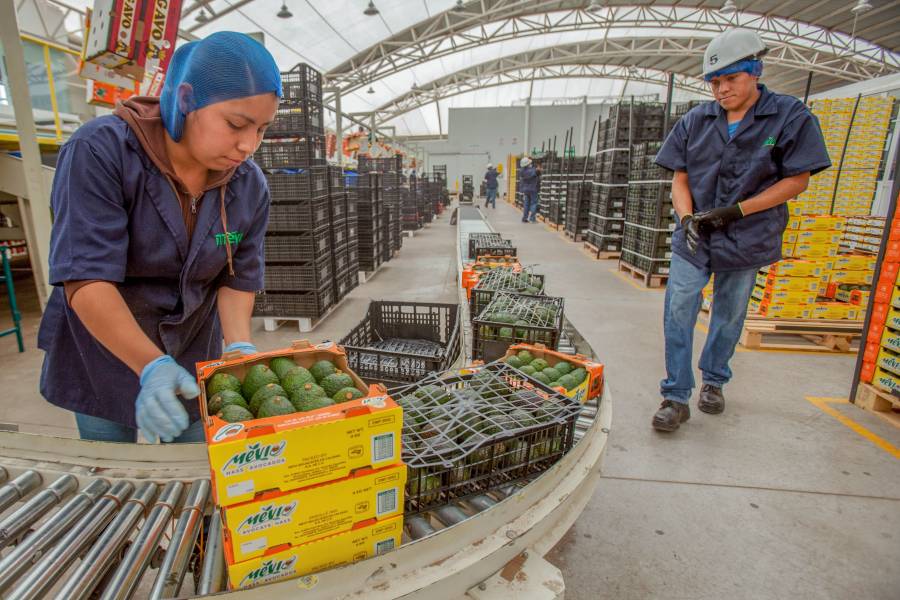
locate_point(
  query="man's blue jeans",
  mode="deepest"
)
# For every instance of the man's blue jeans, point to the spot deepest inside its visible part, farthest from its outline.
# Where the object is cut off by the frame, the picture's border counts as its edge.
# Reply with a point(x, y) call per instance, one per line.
point(530, 206)
point(103, 430)
point(491, 198)
point(683, 298)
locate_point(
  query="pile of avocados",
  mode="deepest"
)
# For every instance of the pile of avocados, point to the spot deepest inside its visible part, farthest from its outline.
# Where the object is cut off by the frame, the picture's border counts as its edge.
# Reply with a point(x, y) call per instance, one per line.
point(280, 388)
point(562, 374)
point(514, 314)
point(506, 279)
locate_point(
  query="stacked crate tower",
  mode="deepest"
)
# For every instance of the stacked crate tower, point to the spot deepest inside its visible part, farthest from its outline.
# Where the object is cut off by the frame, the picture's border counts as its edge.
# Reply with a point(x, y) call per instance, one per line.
point(365, 192)
point(578, 196)
point(299, 249)
point(344, 239)
point(606, 217)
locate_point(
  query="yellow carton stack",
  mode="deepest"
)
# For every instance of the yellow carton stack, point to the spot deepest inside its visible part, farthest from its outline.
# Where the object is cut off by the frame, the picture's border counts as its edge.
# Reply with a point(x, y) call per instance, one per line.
point(812, 236)
point(786, 290)
point(863, 234)
point(861, 157)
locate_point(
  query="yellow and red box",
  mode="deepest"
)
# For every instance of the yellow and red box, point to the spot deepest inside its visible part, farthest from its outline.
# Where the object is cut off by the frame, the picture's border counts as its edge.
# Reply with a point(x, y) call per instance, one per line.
point(783, 311)
point(814, 251)
point(817, 222)
point(776, 283)
point(851, 277)
point(854, 262)
point(867, 372)
point(333, 551)
point(300, 449)
point(795, 268)
point(885, 380)
point(814, 237)
point(890, 339)
point(591, 387)
point(835, 310)
point(301, 516)
point(888, 361)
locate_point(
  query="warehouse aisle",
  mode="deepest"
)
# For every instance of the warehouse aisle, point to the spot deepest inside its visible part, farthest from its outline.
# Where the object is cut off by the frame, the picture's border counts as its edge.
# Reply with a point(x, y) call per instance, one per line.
point(773, 495)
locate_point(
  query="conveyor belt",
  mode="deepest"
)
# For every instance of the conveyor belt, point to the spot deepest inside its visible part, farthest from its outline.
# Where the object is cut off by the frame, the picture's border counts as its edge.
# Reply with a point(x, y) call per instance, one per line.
point(115, 521)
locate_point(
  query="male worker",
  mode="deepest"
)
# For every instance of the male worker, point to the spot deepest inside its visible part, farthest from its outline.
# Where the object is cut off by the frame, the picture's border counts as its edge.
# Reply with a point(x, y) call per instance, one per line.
point(530, 179)
point(736, 161)
point(490, 186)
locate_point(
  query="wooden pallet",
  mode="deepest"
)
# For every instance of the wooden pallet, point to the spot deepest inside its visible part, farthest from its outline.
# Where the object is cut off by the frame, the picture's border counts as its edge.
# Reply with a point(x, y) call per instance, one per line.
point(878, 401)
point(598, 254)
point(821, 335)
point(651, 280)
point(575, 237)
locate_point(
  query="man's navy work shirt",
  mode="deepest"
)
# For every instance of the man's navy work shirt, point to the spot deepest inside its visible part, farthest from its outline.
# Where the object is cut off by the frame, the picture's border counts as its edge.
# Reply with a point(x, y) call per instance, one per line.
point(779, 137)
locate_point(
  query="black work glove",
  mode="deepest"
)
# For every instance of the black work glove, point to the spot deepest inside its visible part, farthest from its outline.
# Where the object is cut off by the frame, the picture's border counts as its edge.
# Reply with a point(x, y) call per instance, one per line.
point(691, 232)
point(718, 218)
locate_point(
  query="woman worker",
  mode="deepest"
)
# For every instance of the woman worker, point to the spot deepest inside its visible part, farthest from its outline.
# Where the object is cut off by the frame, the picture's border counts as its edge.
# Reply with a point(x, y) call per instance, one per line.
point(157, 244)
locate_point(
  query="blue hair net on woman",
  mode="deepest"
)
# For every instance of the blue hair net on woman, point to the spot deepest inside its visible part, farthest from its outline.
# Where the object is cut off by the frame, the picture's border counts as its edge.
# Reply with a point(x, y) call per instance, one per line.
point(223, 66)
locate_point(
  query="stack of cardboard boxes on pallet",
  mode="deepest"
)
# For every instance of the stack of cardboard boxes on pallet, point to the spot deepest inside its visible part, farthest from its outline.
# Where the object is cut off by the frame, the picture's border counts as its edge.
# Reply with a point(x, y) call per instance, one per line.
point(848, 187)
point(881, 358)
point(308, 491)
point(814, 281)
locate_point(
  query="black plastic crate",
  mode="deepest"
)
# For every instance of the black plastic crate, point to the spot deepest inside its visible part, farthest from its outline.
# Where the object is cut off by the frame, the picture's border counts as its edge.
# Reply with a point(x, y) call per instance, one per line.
point(651, 266)
point(312, 304)
point(473, 432)
point(423, 338)
point(336, 181)
point(337, 204)
point(291, 153)
point(340, 236)
point(308, 215)
point(297, 117)
point(652, 243)
point(298, 247)
point(345, 282)
point(301, 83)
point(606, 226)
point(482, 239)
point(298, 277)
point(526, 320)
point(304, 184)
point(380, 165)
point(342, 260)
point(604, 243)
point(503, 280)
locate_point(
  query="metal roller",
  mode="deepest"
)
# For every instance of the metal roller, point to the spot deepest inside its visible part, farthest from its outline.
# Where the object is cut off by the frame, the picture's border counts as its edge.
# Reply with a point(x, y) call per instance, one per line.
point(212, 575)
point(450, 515)
point(55, 562)
point(127, 576)
point(20, 520)
point(3, 475)
point(18, 488)
point(418, 527)
point(481, 502)
point(30, 549)
point(175, 562)
point(100, 557)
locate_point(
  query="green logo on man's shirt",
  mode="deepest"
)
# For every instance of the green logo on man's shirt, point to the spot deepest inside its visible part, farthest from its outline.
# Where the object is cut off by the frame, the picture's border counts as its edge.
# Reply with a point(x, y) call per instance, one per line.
point(770, 141)
point(234, 238)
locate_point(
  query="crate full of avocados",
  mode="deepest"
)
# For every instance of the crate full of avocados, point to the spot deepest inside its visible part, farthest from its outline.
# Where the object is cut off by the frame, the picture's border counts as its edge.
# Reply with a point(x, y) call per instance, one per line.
point(292, 418)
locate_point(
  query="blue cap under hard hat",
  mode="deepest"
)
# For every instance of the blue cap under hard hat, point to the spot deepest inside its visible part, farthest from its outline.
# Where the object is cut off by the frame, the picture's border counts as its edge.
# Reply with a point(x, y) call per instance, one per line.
point(223, 66)
point(753, 66)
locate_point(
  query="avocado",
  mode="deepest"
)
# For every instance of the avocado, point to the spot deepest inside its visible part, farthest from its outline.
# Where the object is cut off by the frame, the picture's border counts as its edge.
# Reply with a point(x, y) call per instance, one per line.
point(579, 375)
point(267, 391)
point(335, 382)
point(224, 398)
point(295, 379)
point(542, 377)
point(568, 382)
point(528, 370)
point(432, 394)
point(539, 364)
point(513, 361)
point(282, 365)
point(321, 370)
point(525, 357)
point(222, 381)
point(563, 368)
point(346, 394)
point(256, 377)
point(309, 397)
point(234, 413)
point(506, 333)
point(275, 406)
point(551, 373)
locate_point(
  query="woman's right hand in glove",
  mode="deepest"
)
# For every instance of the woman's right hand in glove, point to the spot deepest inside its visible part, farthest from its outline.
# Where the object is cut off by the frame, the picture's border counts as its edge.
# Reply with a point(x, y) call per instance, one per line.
point(159, 412)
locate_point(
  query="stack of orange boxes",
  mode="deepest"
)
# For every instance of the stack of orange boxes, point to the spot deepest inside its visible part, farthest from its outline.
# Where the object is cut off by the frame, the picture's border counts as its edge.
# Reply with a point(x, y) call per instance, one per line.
point(880, 357)
point(304, 492)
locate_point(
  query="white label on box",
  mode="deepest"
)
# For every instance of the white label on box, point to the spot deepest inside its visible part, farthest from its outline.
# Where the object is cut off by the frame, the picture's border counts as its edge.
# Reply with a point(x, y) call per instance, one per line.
point(240, 488)
point(383, 447)
point(254, 545)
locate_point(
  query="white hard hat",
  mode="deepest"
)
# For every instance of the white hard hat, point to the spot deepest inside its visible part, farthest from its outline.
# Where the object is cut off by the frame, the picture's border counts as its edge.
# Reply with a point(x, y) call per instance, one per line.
point(525, 161)
point(490, 165)
point(729, 47)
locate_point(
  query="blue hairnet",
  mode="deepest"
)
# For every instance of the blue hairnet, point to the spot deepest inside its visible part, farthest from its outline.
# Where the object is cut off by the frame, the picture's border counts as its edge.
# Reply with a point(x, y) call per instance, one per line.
point(753, 66)
point(223, 66)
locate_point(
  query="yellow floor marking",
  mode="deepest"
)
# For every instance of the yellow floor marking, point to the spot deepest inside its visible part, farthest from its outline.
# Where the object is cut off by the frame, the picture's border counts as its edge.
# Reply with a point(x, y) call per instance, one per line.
point(822, 404)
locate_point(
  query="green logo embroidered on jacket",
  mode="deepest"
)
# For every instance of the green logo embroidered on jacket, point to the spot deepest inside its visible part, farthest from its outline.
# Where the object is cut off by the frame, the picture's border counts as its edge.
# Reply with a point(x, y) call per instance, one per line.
point(770, 141)
point(234, 237)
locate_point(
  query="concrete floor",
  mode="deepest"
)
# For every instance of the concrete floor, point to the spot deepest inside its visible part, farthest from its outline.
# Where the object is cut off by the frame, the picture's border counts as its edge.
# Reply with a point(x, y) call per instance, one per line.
point(773, 499)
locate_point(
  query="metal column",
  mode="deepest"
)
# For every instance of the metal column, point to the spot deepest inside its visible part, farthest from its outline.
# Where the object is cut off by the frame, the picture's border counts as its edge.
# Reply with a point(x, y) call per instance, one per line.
point(339, 125)
point(525, 140)
point(583, 131)
point(35, 209)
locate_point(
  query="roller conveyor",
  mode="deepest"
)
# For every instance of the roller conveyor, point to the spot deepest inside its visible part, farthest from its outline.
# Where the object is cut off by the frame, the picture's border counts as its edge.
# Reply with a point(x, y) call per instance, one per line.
point(97, 520)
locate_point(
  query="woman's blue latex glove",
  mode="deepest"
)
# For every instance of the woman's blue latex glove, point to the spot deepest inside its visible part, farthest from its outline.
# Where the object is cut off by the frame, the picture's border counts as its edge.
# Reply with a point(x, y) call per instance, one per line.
point(159, 413)
point(242, 347)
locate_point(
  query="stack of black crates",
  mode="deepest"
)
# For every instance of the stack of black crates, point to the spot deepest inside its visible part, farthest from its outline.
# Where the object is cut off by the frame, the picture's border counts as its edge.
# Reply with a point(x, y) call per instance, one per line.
point(395, 190)
point(649, 217)
point(344, 237)
point(384, 228)
point(299, 247)
point(366, 191)
point(576, 195)
point(628, 123)
point(468, 190)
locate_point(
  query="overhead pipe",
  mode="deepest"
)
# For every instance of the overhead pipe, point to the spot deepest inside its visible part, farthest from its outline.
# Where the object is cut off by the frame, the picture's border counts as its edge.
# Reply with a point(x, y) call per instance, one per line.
point(125, 579)
point(56, 561)
point(175, 562)
point(33, 546)
point(106, 549)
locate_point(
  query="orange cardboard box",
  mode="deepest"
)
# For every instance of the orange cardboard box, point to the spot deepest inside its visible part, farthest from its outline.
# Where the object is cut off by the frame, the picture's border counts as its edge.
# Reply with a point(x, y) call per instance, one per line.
point(867, 373)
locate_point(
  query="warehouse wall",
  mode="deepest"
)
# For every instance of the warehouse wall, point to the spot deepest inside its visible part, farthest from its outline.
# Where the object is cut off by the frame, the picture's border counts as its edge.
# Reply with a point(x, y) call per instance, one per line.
point(479, 135)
